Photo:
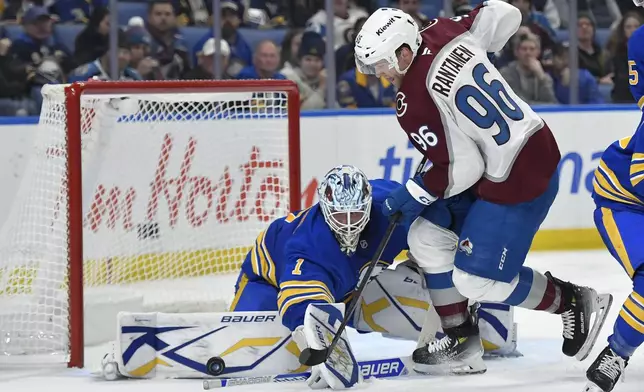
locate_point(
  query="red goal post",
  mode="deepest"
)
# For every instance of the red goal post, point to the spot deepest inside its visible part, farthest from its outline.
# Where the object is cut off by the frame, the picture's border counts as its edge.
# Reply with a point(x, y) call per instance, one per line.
point(112, 130)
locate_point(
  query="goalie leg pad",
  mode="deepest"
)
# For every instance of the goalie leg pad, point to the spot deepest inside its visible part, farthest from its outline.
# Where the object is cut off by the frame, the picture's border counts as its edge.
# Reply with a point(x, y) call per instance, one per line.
point(167, 345)
point(393, 303)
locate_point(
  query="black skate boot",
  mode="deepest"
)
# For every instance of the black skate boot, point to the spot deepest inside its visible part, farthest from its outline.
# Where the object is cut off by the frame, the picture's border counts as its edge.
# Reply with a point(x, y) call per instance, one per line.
point(579, 305)
point(460, 351)
point(605, 371)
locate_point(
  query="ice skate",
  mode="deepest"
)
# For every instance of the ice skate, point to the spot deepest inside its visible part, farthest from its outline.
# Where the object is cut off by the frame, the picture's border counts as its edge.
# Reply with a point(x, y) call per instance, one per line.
point(604, 373)
point(580, 305)
point(460, 351)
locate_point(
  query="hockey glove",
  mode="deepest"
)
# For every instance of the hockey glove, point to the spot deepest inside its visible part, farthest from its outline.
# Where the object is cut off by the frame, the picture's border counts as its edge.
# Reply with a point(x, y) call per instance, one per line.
point(340, 370)
point(410, 200)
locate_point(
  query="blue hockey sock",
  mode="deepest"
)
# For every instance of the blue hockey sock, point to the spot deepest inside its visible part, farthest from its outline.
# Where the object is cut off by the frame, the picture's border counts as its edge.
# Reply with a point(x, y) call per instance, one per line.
point(628, 332)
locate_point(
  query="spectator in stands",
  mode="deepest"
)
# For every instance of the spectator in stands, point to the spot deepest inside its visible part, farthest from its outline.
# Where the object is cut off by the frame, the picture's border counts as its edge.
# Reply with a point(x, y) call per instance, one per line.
point(345, 18)
point(412, 7)
point(300, 11)
point(506, 55)
point(626, 6)
point(526, 76)
point(309, 75)
point(14, 84)
point(266, 14)
point(241, 54)
point(14, 10)
point(75, 11)
point(357, 90)
point(94, 40)
point(193, 12)
point(345, 55)
point(618, 53)
point(139, 42)
point(549, 10)
point(205, 68)
point(167, 45)
point(290, 48)
point(591, 55)
point(266, 61)
point(560, 73)
point(37, 48)
point(538, 25)
point(563, 8)
point(100, 68)
point(461, 7)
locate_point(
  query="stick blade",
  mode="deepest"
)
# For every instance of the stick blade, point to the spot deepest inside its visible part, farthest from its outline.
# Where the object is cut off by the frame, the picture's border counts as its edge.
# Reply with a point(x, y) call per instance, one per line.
point(311, 357)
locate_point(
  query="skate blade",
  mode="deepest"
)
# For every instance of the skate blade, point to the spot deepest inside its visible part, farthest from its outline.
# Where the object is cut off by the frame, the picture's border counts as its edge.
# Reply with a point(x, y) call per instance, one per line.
point(591, 387)
point(601, 306)
point(476, 366)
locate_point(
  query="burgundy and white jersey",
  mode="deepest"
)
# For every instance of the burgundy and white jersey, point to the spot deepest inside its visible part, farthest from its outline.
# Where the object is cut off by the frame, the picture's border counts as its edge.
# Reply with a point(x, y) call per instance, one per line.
point(457, 110)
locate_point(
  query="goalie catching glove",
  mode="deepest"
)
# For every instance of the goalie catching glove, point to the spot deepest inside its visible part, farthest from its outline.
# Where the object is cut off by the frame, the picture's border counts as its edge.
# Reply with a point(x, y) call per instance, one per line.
point(340, 370)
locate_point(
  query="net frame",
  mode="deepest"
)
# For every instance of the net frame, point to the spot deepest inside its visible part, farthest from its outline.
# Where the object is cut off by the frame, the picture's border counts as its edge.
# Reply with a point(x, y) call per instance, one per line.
point(73, 95)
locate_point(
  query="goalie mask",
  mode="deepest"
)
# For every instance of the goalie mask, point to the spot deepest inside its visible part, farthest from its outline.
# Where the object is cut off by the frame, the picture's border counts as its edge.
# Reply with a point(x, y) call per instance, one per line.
point(345, 200)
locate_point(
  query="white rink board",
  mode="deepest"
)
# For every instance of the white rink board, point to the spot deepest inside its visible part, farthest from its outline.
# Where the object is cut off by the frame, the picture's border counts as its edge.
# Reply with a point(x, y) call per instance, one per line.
point(375, 143)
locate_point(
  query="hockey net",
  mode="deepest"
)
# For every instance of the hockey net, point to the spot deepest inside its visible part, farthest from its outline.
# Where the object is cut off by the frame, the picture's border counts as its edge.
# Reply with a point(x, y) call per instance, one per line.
point(137, 196)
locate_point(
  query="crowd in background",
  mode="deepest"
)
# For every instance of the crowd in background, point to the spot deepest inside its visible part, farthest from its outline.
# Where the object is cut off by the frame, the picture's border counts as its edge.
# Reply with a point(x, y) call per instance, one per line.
point(151, 47)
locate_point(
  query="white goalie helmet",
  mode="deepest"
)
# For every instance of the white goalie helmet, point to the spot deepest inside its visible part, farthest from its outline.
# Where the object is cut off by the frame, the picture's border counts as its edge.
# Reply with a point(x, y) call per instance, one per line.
point(382, 34)
point(345, 200)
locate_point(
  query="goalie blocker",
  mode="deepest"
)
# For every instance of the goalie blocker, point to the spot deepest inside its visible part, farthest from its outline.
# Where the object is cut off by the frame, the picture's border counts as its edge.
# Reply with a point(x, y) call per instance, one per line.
point(394, 303)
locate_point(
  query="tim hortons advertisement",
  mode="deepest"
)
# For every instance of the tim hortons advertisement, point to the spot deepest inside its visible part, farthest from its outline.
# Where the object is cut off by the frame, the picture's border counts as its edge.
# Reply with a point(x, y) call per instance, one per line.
point(166, 189)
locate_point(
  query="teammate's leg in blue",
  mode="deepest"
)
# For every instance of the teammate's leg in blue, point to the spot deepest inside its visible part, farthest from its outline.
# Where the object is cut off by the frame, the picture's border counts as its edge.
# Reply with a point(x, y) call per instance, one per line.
point(621, 231)
point(628, 332)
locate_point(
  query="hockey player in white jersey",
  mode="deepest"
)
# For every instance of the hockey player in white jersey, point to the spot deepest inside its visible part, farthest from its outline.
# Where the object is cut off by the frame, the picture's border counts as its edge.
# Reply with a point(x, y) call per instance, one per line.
point(481, 137)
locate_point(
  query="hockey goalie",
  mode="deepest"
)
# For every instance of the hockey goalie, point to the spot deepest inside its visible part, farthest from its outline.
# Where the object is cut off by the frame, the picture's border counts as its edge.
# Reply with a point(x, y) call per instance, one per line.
point(291, 294)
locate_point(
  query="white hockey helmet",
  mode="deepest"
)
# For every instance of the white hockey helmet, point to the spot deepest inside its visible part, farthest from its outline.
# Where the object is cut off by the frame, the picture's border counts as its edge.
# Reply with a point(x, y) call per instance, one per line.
point(345, 200)
point(639, 3)
point(382, 34)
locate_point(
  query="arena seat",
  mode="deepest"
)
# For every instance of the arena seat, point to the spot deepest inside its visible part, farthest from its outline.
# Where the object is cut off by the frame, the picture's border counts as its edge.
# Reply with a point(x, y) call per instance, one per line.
point(66, 35)
point(601, 36)
point(12, 31)
point(431, 9)
point(192, 35)
point(254, 36)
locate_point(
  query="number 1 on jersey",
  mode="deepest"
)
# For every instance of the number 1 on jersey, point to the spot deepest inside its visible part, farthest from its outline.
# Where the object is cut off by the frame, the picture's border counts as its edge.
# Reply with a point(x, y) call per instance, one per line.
point(500, 99)
point(298, 265)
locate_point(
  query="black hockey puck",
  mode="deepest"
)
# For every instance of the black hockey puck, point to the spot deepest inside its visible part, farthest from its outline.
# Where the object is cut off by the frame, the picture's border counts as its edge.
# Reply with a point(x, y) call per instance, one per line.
point(215, 366)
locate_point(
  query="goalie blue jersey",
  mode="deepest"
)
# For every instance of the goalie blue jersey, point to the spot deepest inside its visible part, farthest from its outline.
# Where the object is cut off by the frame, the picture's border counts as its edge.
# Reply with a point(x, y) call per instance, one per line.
point(297, 261)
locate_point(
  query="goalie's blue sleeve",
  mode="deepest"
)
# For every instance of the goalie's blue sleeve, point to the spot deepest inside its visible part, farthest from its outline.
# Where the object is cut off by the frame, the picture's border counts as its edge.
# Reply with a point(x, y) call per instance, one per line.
point(618, 181)
point(301, 258)
point(636, 65)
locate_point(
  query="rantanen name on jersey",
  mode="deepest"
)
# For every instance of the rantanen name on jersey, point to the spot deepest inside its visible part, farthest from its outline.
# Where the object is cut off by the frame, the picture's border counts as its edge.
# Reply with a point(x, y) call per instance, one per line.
point(449, 69)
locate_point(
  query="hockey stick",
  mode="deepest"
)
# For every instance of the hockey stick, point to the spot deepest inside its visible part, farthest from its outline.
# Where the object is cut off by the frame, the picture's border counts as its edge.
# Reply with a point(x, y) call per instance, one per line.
point(312, 357)
point(381, 368)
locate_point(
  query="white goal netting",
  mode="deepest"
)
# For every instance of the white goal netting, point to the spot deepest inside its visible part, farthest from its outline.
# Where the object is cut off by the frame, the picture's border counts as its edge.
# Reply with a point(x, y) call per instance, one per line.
point(175, 187)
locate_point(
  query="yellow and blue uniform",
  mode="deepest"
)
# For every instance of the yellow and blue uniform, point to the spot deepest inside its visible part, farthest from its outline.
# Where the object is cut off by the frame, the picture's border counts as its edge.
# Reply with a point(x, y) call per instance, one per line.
point(354, 91)
point(618, 191)
point(298, 261)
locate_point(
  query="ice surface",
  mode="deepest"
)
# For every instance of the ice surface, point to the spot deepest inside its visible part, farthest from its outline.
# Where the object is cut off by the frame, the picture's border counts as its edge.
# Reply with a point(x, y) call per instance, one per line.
point(543, 367)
